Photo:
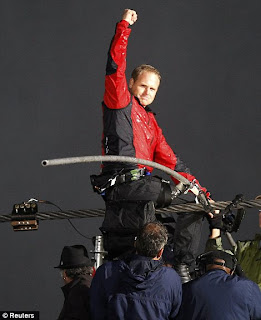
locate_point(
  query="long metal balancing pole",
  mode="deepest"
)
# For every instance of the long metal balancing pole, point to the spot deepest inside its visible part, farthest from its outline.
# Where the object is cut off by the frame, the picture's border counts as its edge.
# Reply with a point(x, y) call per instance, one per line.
point(87, 159)
point(84, 159)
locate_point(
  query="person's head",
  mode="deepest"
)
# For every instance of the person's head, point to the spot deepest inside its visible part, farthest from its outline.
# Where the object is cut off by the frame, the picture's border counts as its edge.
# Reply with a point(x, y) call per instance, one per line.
point(216, 259)
point(144, 83)
point(74, 261)
point(151, 240)
point(69, 275)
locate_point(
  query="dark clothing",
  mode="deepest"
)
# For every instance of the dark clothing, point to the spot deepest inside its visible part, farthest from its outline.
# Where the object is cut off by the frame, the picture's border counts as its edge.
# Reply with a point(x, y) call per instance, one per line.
point(187, 237)
point(131, 130)
point(217, 295)
point(76, 299)
point(184, 235)
point(136, 288)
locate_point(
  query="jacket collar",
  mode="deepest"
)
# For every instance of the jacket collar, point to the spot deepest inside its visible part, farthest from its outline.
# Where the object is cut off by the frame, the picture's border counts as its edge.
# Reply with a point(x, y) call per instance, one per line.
point(142, 265)
point(66, 288)
point(147, 108)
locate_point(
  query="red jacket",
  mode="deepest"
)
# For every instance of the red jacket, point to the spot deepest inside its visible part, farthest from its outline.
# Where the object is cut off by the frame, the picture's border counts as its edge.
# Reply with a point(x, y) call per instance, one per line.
point(129, 128)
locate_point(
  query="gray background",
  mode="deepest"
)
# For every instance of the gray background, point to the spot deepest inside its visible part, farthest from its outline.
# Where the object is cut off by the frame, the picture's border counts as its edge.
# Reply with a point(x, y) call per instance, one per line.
point(53, 56)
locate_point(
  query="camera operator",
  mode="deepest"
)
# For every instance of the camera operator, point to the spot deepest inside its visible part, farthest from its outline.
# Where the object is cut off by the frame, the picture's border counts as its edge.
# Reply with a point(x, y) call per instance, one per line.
point(218, 293)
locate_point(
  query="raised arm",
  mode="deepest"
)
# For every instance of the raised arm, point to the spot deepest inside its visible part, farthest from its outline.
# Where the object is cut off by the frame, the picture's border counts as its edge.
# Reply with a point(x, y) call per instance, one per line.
point(116, 94)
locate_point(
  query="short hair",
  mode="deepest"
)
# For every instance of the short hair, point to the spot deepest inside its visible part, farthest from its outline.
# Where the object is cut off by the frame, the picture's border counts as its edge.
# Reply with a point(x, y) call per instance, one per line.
point(151, 239)
point(144, 67)
point(76, 272)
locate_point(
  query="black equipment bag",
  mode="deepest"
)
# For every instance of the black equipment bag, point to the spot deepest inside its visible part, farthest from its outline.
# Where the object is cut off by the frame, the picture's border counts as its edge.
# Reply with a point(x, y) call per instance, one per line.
point(122, 221)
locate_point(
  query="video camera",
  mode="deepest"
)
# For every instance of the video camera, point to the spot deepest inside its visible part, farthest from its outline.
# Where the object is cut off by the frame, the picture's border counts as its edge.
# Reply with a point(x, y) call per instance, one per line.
point(231, 221)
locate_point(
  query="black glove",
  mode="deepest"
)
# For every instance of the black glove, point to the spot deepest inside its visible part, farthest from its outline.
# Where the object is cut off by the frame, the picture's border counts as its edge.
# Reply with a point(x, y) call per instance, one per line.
point(216, 222)
point(228, 221)
point(224, 222)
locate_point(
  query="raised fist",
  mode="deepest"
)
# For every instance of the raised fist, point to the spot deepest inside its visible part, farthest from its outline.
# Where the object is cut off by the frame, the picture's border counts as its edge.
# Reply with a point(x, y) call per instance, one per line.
point(130, 16)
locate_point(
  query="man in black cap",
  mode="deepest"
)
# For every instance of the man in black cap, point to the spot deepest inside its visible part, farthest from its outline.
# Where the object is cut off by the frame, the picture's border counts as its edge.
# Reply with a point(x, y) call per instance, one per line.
point(76, 271)
point(218, 293)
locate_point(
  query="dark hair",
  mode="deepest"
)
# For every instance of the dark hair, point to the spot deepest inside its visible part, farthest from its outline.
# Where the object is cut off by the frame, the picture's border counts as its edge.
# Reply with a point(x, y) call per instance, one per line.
point(144, 67)
point(75, 272)
point(151, 239)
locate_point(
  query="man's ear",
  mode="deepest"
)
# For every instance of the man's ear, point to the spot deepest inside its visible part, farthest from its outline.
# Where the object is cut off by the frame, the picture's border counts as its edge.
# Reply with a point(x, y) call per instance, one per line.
point(131, 82)
point(160, 253)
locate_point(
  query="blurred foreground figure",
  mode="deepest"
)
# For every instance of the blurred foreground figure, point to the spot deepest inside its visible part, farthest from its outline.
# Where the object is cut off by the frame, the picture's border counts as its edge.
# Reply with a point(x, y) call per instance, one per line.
point(218, 293)
point(76, 271)
point(130, 129)
point(140, 286)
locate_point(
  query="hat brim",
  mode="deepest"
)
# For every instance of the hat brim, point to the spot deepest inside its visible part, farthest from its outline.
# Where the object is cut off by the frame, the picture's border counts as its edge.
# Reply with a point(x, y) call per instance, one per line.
point(87, 264)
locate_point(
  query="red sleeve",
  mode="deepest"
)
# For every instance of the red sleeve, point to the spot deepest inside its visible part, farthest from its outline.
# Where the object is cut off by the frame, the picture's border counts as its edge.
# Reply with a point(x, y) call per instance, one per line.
point(164, 155)
point(116, 94)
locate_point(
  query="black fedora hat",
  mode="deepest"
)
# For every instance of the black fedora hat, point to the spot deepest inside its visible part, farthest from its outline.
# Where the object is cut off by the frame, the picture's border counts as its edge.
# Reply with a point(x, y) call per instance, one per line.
point(74, 257)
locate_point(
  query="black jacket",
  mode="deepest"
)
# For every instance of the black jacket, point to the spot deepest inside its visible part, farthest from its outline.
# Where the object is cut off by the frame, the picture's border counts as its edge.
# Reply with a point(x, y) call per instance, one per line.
point(76, 299)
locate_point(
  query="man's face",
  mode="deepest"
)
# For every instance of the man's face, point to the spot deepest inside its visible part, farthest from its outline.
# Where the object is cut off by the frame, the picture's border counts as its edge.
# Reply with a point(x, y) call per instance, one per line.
point(145, 87)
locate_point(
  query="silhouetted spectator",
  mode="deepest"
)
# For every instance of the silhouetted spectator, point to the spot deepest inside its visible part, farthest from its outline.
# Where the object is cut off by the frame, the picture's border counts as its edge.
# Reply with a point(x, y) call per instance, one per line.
point(76, 271)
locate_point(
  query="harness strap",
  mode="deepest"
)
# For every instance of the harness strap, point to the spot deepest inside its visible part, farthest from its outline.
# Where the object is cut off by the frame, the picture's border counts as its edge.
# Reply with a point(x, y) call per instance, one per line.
point(132, 175)
point(102, 182)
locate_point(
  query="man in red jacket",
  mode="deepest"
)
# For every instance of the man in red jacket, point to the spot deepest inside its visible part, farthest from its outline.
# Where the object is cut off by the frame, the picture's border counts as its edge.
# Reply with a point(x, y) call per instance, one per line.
point(130, 129)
